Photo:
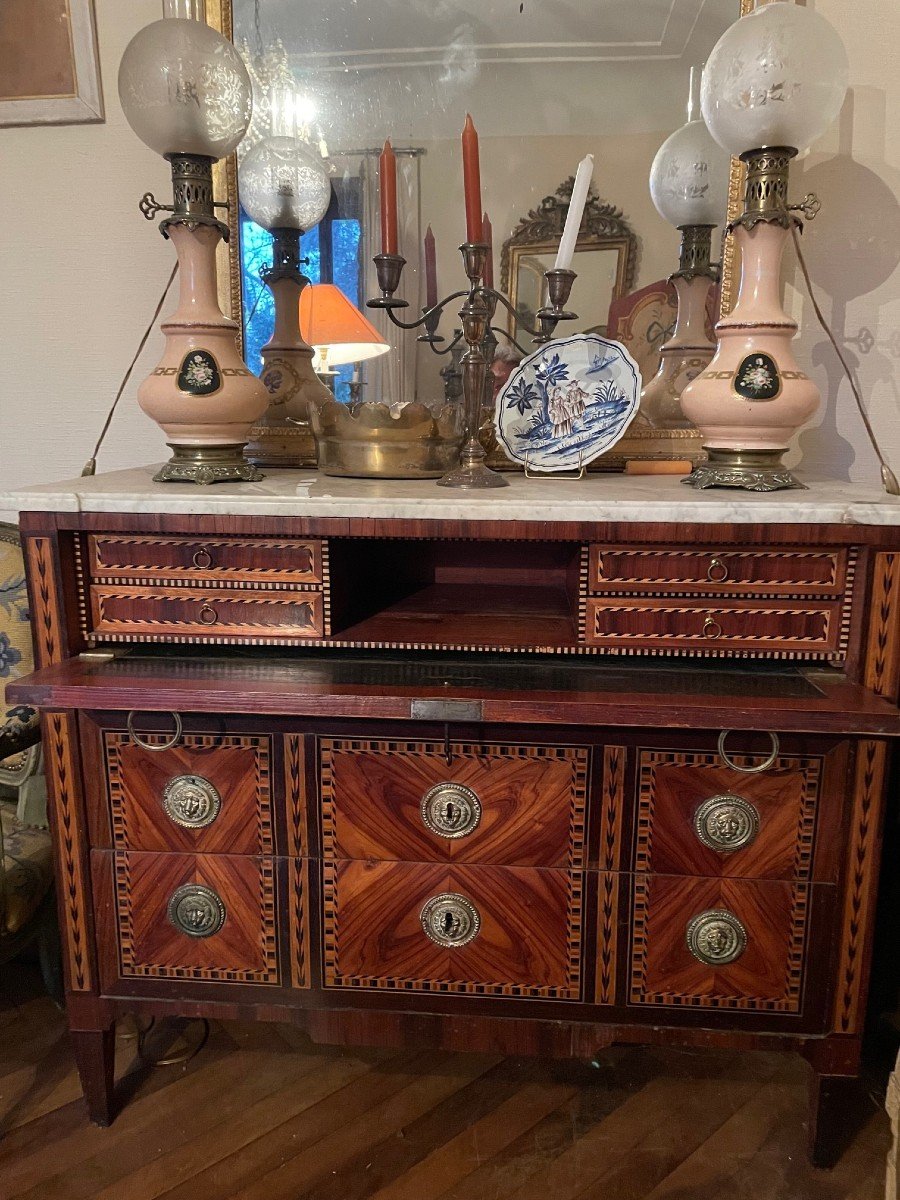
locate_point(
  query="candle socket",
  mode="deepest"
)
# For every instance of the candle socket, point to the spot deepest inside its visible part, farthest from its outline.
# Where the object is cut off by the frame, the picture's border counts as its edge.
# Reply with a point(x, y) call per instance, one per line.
point(559, 288)
point(431, 317)
point(474, 260)
point(389, 268)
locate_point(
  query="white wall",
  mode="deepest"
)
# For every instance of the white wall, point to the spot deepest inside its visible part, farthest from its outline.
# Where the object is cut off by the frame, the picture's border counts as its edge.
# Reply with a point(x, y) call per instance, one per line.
point(81, 271)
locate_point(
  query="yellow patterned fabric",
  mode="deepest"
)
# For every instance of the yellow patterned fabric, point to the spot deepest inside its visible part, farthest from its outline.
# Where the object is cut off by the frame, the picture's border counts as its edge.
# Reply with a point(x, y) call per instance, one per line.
point(15, 628)
point(27, 873)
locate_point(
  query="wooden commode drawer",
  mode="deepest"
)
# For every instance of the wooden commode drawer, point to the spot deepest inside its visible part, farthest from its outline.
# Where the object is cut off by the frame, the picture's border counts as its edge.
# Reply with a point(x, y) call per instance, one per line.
point(157, 614)
point(499, 931)
point(767, 627)
point(188, 916)
point(209, 794)
point(205, 560)
point(781, 572)
point(698, 816)
point(730, 944)
point(507, 805)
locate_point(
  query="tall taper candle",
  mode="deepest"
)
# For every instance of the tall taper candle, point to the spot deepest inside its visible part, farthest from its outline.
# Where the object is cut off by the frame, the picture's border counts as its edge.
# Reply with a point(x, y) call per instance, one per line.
point(387, 181)
point(431, 295)
point(487, 236)
point(472, 180)
point(576, 212)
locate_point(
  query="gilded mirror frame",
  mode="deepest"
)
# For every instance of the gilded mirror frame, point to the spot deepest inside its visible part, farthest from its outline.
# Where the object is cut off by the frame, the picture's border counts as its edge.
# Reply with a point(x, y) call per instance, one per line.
point(219, 15)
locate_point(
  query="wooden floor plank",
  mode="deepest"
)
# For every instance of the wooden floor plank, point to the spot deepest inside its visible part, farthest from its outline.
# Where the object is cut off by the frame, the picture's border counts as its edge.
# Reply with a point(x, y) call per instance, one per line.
point(263, 1114)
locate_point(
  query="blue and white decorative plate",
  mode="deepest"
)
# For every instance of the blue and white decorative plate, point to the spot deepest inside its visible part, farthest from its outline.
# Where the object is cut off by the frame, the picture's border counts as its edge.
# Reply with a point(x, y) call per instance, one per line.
point(568, 402)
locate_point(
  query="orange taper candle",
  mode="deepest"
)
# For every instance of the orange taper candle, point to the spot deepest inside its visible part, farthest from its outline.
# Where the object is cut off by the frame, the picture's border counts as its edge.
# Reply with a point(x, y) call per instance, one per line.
point(472, 181)
point(487, 236)
point(387, 180)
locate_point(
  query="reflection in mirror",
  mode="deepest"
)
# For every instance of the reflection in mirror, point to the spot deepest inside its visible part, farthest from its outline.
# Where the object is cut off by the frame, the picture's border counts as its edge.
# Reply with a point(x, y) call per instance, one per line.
point(546, 85)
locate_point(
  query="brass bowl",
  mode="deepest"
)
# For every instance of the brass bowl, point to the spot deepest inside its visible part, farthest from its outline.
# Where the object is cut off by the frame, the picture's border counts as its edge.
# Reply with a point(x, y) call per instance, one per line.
point(367, 441)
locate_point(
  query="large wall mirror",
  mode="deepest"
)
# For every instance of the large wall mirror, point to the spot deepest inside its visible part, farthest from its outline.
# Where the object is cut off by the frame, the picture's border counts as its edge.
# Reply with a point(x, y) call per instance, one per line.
point(546, 83)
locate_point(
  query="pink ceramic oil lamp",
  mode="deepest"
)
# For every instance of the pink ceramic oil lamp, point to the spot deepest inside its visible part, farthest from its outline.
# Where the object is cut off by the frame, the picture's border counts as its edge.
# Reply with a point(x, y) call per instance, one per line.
point(773, 83)
point(186, 94)
point(689, 187)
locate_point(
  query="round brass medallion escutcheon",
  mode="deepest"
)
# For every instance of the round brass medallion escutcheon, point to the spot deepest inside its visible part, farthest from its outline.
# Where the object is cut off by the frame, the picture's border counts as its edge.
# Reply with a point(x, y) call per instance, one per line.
point(726, 823)
point(451, 809)
point(191, 801)
point(716, 937)
point(196, 910)
point(450, 920)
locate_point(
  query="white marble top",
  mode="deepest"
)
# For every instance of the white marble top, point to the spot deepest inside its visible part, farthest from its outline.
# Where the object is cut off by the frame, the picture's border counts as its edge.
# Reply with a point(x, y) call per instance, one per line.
point(606, 497)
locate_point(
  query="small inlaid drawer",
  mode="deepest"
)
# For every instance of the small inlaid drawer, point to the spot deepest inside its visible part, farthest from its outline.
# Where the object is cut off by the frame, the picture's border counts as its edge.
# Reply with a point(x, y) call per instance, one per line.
point(730, 944)
point(208, 560)
point(697, 816)
point(210, 793)
point(710, 569)
point(158, 614)
point(766, 627)
point(191, 916)
point(410, 801)
point(489, 931)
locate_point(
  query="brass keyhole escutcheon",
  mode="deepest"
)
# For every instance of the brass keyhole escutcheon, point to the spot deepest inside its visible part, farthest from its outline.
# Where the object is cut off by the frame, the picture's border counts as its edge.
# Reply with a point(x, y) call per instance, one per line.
point(191, 801)
point(726, 823)
point(450, 920)
point(451, 810)
point(716, 937)
point(196, 910)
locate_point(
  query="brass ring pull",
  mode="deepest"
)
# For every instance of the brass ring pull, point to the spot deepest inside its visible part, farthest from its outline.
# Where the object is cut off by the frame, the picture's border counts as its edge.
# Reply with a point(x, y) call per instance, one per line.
point(758, 770)
point(717, 571)
point(712, 629)
point(202, 559)
point(208, 615)
point(169, 745)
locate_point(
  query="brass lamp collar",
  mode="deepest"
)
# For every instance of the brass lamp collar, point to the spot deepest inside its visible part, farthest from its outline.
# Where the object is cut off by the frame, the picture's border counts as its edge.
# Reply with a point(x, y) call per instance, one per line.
point(192, 190)
point(285, 257)
point(694, 257)
point(766, 196)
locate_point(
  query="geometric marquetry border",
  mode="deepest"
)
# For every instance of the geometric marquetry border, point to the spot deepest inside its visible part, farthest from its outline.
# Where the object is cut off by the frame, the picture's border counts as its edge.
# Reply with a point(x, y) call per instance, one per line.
point(809, 766)
point(577, 756)
point(115, 740)
point(612, 798)
point(788, 1001)
point(570, 991)
point(268, 933)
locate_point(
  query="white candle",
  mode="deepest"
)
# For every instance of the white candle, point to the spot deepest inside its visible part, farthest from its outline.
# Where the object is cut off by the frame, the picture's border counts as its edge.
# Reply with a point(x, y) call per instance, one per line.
point(576, 212)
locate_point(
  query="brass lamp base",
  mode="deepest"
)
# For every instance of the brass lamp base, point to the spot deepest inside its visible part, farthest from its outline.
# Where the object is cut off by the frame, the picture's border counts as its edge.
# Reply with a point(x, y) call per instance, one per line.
point(752, 470)
point(207, 464)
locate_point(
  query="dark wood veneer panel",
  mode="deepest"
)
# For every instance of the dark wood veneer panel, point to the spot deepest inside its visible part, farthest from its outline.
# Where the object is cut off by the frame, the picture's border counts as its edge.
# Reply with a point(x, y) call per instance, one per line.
point(207, 560)
point(714, 569)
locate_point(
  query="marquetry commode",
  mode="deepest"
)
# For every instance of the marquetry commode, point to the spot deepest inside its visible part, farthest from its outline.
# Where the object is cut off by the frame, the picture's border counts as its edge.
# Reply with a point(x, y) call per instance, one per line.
point(569, 765)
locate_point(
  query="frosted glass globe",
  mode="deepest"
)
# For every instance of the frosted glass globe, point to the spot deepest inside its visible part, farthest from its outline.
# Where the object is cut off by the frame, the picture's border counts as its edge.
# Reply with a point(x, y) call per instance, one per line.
point(776, 77)
point(284, 184)
point(184, 89)
point(689, 177)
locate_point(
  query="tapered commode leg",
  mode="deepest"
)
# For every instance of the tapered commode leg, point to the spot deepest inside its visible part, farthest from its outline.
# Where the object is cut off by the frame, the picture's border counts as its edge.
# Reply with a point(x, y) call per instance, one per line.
point(95, 1057)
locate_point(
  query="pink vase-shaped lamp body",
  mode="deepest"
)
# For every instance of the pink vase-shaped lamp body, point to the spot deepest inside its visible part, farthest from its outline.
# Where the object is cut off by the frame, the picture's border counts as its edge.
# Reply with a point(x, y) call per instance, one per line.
point(201, 394)
point(753, 397)
point(682, 358)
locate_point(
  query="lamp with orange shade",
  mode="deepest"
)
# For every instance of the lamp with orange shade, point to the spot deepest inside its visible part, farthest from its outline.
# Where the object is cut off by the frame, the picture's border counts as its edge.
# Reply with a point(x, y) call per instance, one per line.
point(336, 329)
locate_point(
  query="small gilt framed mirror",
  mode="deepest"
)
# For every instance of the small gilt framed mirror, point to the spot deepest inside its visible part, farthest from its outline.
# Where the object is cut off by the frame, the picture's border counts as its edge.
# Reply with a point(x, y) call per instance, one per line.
point(605, 258)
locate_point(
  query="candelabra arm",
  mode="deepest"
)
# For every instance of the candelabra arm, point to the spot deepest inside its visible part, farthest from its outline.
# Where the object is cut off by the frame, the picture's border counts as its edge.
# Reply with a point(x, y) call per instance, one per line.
point(422, 321)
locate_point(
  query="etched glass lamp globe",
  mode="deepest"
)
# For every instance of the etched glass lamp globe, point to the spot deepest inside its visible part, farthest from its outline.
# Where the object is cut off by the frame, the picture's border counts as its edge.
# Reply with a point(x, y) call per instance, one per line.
point(284, 184)
point(776, 77)
point(689, 177)
point(184, 88)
